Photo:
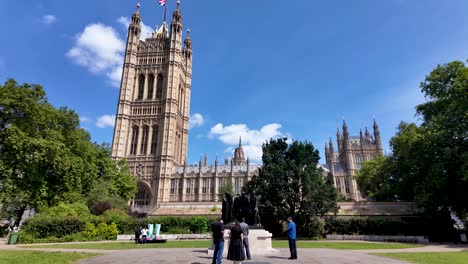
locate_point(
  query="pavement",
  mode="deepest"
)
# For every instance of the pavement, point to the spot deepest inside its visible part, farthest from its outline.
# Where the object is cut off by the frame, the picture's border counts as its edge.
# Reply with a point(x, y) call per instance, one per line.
point(199, 256)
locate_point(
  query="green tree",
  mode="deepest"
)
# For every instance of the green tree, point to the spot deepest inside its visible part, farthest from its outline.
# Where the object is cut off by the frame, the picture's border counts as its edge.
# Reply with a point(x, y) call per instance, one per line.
point(291, 185)
point(445, 126)
point(376, 179)
point(429, 162)
point(45, 157)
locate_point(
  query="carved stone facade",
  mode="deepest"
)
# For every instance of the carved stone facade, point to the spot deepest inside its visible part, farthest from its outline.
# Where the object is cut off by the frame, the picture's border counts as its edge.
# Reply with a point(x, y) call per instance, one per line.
point(152, 121)
point(352, 152)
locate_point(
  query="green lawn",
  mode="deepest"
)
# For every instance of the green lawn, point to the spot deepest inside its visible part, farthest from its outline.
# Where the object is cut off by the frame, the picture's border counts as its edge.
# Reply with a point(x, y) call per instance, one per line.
point(430, 257)
point(40, 257)
point(207, 243)
point(131, 245)
point(344, 245)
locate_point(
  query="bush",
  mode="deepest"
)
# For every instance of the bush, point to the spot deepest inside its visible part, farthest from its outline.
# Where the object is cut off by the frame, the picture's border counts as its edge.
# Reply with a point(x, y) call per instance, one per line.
point(47, 226)
point(314, 228)
point(377, 226)
point(178, 230)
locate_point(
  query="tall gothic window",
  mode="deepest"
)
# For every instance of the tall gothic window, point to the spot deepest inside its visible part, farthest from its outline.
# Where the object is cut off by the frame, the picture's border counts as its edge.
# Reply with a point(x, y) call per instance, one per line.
point(141, 86)
point(357, 161)
point(346, 183)
point(338, 184)
point(159, 88)
point(144, 140)
point(154, 140)
point(133, 145)
point(181, 98)
point(173, 186)
point(204, 186)
point(150, 87)
point(188, 189)
point(141, 198)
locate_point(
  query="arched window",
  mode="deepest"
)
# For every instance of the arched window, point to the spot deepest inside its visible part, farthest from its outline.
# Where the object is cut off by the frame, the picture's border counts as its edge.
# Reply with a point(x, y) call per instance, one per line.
point(141, 197)
point(159, 88)
point(144, 140)
point(181, 98)
point(357, 161)
point(141, 86)
point(150, 86)
point(154, 140)
point(134, 142)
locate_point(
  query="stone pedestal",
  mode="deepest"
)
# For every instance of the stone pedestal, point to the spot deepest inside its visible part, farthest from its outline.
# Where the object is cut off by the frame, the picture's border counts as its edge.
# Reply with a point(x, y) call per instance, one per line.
point(259, 242)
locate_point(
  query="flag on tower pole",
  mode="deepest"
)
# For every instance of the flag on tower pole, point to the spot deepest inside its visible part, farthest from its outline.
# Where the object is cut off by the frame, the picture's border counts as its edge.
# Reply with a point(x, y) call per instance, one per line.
point(162, 2)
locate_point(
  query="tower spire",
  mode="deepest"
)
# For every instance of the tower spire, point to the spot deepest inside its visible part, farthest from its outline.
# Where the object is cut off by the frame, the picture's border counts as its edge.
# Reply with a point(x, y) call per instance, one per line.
point(240, 142)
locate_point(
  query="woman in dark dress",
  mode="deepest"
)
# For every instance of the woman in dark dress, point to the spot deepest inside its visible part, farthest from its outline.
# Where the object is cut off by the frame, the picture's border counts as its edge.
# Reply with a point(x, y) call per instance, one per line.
point(236, 251)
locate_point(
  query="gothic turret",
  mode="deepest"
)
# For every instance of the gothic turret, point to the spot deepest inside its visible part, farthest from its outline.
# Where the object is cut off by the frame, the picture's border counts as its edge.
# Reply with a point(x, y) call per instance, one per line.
point(176, 28)
point(367, 133)
point(239, 158)
point(378, 142)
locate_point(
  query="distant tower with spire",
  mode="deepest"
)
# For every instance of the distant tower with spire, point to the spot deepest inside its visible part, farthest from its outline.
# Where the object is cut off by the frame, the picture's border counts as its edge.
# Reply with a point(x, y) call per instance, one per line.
point(347, 161)
point(239, 158)
point(152, 120)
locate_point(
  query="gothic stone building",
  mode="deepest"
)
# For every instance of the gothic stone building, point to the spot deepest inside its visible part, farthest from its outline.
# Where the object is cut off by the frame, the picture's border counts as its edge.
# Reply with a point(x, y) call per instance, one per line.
point(352, 151)
point(152, 122)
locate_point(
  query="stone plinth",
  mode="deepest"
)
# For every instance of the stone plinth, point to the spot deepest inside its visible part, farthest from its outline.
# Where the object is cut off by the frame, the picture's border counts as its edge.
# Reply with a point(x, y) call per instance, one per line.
point(259, 242)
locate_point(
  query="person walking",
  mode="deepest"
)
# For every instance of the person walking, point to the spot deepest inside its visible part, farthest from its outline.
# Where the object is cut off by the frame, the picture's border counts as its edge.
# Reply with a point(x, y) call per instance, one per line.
point(291, 232)
point(245, 240)
point(236, 250)
point(217, 229)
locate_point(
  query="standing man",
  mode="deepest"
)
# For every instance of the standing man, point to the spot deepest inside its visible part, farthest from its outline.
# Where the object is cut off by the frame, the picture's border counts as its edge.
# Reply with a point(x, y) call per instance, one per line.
point(291, 231)
point(245, 240)
point(144, 234)
point(137, 234)
point(218, 241)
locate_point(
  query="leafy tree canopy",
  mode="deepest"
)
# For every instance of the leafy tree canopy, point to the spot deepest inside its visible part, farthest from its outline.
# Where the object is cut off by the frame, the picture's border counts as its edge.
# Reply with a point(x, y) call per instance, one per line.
point(429, 162)
point(46, 158)
point(291, 184)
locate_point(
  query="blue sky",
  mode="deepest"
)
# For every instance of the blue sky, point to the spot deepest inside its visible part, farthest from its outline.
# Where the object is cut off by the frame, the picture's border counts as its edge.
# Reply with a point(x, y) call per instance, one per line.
point(261, 69)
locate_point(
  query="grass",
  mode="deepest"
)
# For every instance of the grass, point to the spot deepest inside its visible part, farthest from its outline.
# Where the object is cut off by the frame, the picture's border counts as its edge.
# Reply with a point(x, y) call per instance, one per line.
point(131, 245)
point(344, 245)
point(207, 244)
point(40, 257)
point(430, 257)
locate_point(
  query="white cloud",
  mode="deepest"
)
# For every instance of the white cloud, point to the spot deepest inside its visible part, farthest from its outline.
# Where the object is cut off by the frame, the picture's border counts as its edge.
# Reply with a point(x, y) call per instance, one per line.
point(196, 120)
point(145, 30)
point(252, 139)
point(48, 19)
point(100, 50)
point(105, 121)
point(84, 119)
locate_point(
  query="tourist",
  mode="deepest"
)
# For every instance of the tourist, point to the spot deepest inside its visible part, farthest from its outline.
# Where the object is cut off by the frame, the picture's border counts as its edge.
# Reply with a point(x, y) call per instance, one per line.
point(217, 229)
point(236, 250)
point(245, 240)
point(144, 234)
point(291, 231)
point(137, 234)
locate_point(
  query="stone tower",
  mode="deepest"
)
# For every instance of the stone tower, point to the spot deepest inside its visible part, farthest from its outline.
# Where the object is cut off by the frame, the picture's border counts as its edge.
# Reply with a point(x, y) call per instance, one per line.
point(152, 121)
point(351, 153)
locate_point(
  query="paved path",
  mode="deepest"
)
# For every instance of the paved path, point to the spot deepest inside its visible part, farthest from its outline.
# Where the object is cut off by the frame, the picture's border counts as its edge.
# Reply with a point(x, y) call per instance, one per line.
point(199, 256)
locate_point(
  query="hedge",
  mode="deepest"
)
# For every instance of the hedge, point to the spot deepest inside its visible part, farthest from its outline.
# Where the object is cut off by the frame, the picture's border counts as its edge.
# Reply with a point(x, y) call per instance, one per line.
point(435, 228)
point(71, 228)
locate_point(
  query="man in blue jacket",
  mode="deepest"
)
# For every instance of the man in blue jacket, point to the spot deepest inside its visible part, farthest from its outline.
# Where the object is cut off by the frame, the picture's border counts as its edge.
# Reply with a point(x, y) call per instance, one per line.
point(291, 231)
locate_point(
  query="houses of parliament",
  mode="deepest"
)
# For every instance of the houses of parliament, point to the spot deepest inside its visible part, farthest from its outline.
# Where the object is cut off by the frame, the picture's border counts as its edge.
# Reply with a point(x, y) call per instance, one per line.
point(152, 125)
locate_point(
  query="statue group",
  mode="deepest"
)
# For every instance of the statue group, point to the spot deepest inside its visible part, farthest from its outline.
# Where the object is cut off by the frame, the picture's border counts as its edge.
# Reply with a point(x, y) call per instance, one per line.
point(242, 206)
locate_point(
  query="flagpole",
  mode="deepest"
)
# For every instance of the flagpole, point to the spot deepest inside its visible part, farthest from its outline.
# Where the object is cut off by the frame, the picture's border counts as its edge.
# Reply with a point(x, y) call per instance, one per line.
point(165, 10)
